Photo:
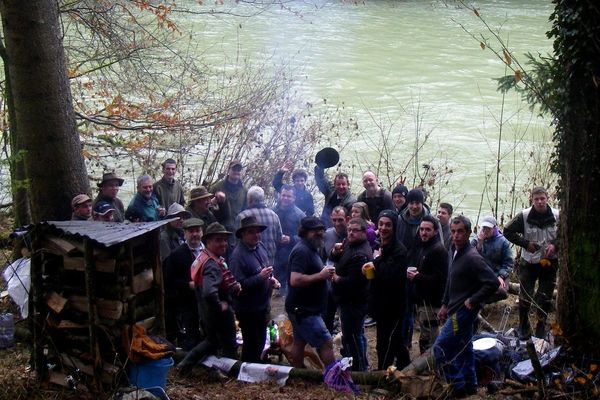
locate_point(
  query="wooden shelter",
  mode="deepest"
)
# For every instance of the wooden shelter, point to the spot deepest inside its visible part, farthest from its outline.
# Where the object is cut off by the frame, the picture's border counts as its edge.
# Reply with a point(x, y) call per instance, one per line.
point(90, 282)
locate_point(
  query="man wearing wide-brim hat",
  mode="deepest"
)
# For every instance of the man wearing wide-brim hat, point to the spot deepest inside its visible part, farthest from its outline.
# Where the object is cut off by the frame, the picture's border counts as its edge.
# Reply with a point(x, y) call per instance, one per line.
point(207, 206)
point(109, 187)
point(181, 308)
point(250, 265)
point(215, 288)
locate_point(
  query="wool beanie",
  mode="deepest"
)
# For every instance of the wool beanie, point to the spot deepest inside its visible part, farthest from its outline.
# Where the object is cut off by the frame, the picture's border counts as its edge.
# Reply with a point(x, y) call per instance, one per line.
point(415, 195)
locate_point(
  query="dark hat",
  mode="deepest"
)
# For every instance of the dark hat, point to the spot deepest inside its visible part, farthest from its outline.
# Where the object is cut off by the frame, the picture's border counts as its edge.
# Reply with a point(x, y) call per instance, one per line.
point(235, 164)
point(110, 176)
point(177, 210)
point(214, 229)
point(249, 222)
point(311, 224)
point(80, 199)
point(327, 157)
point(415, 195)
point(199, 192)
point(103, 207)
point(192, 222)
point(400, 189)
point(392, 215)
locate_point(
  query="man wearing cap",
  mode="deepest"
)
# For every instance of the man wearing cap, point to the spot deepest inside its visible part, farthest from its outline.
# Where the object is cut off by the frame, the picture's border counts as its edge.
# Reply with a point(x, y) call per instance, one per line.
point(172, 236)
point(350, 290)
point(410, 219)
point(235, 191)
point(304, 200)
point(399, 198)
point(103, 211)
point(374, 196)
point(215, 288)
point(108, 191)
point(82, 208)
point(167, 189)
point(470, 283)
point(251, 268)
point(495, 250)
point(444, 214)
point(272, 236)
point(307, 294)
point(207, 206)
point(289, 217)
point(336, 194)
point(181, 308)
point(144, 207)
point(535, 230)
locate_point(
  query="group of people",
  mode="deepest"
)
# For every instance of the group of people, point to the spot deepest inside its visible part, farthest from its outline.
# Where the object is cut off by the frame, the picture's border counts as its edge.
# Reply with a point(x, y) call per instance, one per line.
point(381, 255)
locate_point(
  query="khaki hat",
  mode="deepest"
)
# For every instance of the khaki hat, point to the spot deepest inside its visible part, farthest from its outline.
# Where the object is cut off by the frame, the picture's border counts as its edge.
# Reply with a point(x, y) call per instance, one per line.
point(192, 222)
point(200, 192)
point(214, 229)
point(80, 199)
point(249, 222)
point(177, 210)
point(110, 176)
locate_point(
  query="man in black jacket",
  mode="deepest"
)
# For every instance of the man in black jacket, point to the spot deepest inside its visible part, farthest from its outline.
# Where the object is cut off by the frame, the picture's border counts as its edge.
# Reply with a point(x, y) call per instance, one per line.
point(350, 290)
point(470, 283)
point(429, 280)
point(181, 310)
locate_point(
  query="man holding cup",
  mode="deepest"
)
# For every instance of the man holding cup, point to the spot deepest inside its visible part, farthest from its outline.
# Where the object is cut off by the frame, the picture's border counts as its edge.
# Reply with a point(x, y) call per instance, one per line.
point(350, 290)
point(307, 293)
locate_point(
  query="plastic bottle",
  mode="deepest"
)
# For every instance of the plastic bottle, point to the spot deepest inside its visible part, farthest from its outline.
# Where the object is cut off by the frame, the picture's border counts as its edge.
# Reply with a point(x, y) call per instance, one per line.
point(273, 333)
point(7, 330)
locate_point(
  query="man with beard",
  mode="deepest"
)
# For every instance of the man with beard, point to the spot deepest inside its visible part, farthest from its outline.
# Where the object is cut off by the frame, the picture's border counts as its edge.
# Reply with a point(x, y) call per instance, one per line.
point(207, 206)
point(336, 194)
point(251, 268)
point(144, 207)
point(109, 189)
point(234, 190)
point(429, 280)
point(470, 283)
point(181, 309)
point(215, 288)
point(374, 196)
point(307, 295)
point(535, 230)
point(387, 294)
point(304, 200)
point(350, 290)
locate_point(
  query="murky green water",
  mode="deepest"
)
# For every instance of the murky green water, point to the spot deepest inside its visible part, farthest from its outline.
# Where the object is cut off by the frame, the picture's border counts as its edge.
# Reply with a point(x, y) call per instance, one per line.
point(393, 58)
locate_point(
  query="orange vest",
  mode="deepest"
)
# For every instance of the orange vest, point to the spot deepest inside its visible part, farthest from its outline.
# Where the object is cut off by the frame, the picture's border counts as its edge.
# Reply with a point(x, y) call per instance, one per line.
point(198, 266)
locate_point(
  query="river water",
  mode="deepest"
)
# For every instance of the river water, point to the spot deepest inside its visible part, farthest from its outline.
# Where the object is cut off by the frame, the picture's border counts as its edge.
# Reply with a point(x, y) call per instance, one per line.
point(398, 62)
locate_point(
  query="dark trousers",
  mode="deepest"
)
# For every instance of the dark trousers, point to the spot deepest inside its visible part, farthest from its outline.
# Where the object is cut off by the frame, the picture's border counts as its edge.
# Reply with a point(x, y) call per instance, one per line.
point(453, 350)
point(529, 274)
point(220, 335)
point(390, 343)
point(353, 335)
point(254, 331)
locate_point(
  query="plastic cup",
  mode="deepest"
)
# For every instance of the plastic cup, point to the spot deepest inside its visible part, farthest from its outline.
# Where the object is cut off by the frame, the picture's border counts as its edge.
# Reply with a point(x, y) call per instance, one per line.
point(369, 269)
point(411, 269)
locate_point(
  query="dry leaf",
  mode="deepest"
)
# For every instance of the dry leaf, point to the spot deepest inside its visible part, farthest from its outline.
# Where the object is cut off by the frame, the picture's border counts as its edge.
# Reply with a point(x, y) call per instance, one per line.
point(507, 57)
point(518, 75)
point(482, 45)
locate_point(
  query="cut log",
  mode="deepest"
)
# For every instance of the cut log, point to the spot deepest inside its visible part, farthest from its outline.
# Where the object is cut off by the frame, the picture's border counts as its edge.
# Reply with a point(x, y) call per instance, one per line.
point(55, 302)
point(109, 309)
point(60, 247)
point(142, 281)
point(78, 264)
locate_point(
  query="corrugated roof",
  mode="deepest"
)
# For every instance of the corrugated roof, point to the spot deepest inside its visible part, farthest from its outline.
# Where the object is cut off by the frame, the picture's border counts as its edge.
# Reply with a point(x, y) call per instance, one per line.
point(106, 233)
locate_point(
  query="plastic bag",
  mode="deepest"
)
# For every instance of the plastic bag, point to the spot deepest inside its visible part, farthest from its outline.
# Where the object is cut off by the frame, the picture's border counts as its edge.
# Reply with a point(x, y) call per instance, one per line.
point(18, 278)
point(338, 378)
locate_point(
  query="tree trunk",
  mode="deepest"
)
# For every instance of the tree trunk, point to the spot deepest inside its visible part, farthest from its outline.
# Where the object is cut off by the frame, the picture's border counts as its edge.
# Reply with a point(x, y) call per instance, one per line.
point(577, 48)
point(18, 181)
point(54, 165)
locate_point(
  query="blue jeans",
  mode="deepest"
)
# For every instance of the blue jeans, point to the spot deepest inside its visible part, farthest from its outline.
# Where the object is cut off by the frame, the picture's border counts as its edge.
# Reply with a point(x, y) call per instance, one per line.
point(453, 350)
point(353, 335)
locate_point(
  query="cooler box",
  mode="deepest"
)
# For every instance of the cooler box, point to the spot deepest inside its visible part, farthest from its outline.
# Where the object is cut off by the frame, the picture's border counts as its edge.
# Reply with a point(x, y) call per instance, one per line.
point(151, 373)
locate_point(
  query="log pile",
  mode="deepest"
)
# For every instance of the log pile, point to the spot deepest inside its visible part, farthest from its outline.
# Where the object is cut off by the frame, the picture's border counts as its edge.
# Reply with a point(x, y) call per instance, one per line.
point(84, 299)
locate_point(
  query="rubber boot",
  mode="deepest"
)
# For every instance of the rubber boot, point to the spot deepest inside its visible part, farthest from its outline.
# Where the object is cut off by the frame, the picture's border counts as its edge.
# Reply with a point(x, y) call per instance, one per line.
point(524, 329)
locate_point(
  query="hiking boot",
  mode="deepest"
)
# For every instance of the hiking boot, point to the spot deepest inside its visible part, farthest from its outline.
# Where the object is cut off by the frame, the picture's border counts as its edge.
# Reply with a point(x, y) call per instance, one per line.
point(369, 321)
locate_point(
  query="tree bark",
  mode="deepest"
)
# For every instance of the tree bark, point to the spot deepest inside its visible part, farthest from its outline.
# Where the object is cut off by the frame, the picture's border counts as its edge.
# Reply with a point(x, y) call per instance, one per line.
point(577, 75)
point(43, 107)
